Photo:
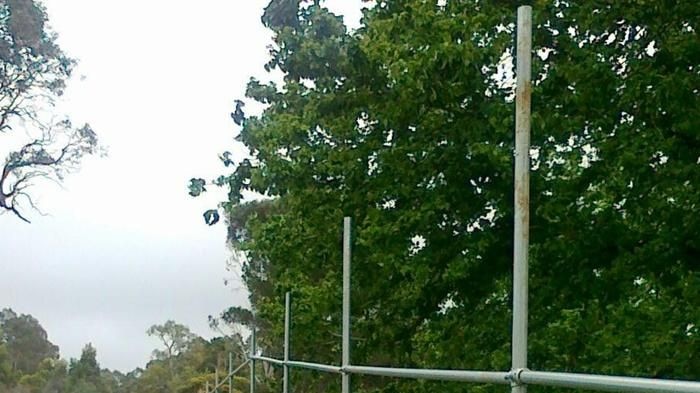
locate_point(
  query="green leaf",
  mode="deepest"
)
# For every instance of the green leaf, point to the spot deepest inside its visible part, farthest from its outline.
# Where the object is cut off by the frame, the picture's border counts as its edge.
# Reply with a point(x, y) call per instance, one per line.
point(211, 217)
point(196, 186)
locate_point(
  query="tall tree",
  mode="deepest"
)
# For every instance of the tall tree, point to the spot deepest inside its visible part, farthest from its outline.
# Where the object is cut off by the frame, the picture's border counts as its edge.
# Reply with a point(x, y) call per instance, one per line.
point(6, 374)
point(406, 125)
point(86, 367)
point(175, 337)
point(33, 74)
point(26, 341)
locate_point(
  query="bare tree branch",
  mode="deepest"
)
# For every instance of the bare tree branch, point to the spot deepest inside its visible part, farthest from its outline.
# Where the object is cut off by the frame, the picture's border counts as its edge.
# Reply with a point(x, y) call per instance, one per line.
point(43, 158)
point(33, 75)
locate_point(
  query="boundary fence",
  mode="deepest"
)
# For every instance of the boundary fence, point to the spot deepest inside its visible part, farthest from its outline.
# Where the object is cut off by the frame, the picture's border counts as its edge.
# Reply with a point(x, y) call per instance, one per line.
point(519, 376)
point(227, 378)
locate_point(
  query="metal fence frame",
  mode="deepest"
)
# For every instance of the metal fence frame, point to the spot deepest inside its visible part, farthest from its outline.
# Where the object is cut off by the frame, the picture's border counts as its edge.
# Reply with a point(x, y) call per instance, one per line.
point(228, 377)
point(519, 376)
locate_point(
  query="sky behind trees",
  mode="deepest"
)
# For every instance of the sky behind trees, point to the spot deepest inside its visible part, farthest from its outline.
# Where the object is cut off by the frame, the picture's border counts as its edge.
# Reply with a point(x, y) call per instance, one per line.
point(124, 246)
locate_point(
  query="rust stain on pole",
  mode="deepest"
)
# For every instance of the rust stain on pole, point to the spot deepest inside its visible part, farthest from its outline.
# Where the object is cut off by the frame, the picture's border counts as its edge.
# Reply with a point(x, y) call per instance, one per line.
point(521, 229)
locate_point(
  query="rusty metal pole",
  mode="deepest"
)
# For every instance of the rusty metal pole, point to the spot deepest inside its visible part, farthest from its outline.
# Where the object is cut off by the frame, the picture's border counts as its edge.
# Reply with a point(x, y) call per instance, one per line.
point(346, 304)
point(521, 233)
point(251, 357)
point(230, 372)
point(287, 322)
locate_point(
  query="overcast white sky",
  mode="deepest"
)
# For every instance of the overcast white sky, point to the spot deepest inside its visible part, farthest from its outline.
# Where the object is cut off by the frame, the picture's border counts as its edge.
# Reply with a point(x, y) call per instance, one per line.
point(124, 246)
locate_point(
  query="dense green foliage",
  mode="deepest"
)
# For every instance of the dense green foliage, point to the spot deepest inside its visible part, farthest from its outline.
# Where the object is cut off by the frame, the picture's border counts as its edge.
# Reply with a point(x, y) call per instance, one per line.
point(29, 362)
point(406, 125)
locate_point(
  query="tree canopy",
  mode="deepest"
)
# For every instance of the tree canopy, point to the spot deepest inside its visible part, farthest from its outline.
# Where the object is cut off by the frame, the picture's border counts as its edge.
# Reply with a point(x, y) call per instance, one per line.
point(29, 363)
point(406, 125)
point(25, 341)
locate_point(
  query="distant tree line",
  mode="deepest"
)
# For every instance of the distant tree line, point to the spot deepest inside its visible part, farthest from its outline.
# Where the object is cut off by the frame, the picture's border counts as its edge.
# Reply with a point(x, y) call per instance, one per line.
point(30, 363)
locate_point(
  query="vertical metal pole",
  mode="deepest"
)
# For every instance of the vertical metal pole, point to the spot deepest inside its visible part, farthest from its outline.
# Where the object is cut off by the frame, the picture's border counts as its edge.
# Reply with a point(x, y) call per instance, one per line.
point(287, 313)
point(252, 361)
point(230, 372)
point(521, 233)
point(346, 303)
point(216, 377)
point(206, 387)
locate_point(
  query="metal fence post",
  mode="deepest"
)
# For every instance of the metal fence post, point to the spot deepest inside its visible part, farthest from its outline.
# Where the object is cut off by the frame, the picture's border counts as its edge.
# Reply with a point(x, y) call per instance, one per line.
point(346, 304)
point(521, 232)
point(287, 314)
point(252, 361)
point(216, 377)
point(230, 372)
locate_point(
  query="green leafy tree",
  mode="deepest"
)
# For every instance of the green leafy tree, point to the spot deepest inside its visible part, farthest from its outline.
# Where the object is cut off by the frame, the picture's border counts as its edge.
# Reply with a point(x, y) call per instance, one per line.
point(406, 125)
point(194, 366)
point(86, 367)
point(175, 337)
point(6, 372)
point(125, 383)
point(29, 363)
point(156, 378)
point(33, 74)
point(26, 341)
point(82, 386)
point(50, 377)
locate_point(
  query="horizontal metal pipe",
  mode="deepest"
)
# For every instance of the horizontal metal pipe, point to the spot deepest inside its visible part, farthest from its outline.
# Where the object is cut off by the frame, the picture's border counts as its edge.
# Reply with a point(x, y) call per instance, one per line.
point(223, 380)
point(499, 377)
point(314, 366)
point(293, 363)
point(276, 362)
point(567, 380)
point(607, 382)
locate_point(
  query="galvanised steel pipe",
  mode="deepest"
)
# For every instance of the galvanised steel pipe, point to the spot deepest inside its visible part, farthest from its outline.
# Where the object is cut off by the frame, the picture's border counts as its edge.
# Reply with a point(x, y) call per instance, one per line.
point(521, 229)
point(237, 369)
point(276, 362)
point(230, 376)
point(519, 377)
point(345, 383)
point(297, 364)
point(230, 371)
point(502, 377)
point(251, 357)
point(315, 366)
point(606, 382)
point(287, 321)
